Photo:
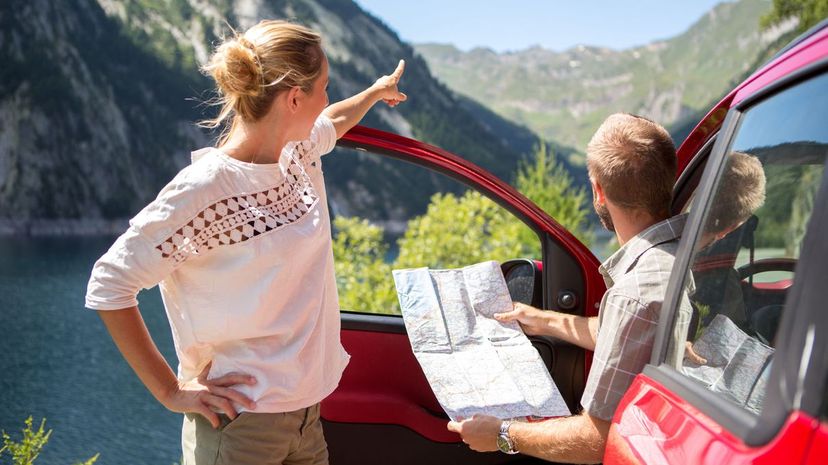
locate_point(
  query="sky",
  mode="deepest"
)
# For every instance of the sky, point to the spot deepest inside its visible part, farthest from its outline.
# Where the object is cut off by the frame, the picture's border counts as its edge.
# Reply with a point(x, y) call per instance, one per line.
point(509, 25)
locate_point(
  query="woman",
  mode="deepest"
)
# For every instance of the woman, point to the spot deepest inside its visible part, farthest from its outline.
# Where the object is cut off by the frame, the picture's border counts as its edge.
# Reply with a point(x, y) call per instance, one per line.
point(240, 243)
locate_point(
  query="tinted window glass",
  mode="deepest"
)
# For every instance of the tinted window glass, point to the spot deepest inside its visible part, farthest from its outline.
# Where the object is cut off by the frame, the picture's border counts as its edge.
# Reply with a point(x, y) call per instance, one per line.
point(745, 255)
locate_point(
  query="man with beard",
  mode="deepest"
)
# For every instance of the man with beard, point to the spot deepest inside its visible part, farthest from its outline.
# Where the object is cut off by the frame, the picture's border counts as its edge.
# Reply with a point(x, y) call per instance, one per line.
point(632, 166)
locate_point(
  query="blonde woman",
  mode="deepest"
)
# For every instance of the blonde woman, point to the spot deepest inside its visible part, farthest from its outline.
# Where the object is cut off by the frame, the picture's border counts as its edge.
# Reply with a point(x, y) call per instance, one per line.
point(240, 245)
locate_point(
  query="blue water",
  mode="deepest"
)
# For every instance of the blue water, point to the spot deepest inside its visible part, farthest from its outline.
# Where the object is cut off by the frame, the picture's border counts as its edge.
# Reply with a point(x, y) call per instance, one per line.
point(58, 362)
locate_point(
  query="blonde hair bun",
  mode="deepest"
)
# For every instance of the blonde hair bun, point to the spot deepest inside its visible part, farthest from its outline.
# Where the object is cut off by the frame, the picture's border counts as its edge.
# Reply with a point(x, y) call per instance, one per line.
point(236, 69)
point(251, 68)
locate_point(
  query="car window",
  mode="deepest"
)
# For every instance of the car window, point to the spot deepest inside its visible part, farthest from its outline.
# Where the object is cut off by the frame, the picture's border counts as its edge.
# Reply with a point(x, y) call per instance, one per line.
point(745, 254)
point(408, 216)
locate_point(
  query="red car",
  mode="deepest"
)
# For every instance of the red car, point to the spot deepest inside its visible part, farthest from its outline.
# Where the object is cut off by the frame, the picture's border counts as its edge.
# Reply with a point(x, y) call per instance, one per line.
point(773, 270)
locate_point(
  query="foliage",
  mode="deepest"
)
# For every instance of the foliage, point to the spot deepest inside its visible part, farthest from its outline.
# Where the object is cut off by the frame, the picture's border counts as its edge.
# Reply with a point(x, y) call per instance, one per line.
point(29, 447)
point(802, 206)
point(791, 191)
point(363, 278)
point(456, 230)
point(704, 313)
point(549, 185)
point(26, 451)
point(809, 13)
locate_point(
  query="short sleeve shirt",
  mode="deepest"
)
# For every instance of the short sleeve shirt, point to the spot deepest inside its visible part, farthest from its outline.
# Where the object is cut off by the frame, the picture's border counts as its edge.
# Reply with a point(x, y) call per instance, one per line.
point(636, 277)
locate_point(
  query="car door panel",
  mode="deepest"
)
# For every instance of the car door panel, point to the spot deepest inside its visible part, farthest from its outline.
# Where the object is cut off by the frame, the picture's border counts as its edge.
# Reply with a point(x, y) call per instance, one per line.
point(384, 384)
point(818, 451)
point(654, 425)
point(375, 444)
point(384, 410)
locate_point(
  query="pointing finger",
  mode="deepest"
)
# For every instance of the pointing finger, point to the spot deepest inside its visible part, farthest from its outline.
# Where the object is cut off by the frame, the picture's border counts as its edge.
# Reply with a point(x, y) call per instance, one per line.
point(399, 71)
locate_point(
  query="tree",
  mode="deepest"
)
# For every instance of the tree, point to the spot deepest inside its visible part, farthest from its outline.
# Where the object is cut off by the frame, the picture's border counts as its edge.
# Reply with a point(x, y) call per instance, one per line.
point(547, 183)
point(809, 13)
point(458, 231)
point(465, 230)
point(363, 278)
point(455, 231)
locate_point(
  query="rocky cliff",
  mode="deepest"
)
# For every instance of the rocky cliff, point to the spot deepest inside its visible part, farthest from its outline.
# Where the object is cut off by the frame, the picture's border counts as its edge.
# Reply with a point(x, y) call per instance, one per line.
point(98, 101)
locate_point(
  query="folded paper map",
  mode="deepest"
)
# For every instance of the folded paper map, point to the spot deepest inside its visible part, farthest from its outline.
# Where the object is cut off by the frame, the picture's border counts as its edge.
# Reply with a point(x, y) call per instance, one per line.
point(737, 365)
point(474, 363)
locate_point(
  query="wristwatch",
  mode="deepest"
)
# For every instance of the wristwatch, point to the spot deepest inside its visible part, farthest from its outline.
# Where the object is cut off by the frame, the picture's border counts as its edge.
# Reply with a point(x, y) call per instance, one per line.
point(504, 442)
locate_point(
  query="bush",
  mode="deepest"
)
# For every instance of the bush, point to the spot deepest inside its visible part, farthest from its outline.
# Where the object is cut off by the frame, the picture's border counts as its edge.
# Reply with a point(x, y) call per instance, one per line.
point(28, 449)
point(455, 231)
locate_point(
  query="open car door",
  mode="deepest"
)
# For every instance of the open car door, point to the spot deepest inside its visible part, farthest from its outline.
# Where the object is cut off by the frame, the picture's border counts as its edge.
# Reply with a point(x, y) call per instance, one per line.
point(384, 411)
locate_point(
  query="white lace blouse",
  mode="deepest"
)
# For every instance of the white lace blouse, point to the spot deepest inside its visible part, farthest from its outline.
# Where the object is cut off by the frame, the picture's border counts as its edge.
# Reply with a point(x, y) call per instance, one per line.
point(242, 254)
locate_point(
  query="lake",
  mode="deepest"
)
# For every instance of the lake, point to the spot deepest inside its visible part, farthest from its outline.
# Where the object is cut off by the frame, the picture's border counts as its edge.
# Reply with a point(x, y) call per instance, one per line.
point(59, 363)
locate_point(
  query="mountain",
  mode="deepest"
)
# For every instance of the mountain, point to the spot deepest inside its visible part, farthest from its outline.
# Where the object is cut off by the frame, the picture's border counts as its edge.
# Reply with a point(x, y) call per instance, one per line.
point(98, 101)
point(564, 96)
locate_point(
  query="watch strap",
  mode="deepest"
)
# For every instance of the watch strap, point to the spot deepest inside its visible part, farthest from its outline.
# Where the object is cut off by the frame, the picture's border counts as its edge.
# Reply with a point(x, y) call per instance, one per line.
point(505, 442)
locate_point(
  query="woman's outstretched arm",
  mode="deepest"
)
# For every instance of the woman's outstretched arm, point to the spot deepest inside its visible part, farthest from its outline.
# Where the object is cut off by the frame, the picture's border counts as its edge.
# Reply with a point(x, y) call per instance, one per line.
point(347, 113)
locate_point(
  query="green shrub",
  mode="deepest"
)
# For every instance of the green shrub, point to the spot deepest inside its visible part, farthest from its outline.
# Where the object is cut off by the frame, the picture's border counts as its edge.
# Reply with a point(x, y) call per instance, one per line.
point(456, 230)
point(26, 451)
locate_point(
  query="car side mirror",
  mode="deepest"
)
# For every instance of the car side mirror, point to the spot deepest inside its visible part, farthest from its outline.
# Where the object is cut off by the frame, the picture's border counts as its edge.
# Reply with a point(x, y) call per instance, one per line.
point(523, 279)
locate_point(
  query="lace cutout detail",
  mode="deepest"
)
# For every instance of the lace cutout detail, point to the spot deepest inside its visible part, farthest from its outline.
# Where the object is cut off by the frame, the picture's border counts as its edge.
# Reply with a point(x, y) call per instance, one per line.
point(242, 217)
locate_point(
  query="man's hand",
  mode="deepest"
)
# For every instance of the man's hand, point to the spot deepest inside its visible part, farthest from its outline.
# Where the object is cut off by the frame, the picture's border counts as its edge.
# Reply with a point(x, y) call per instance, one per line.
point(533, 321)
point(386, 87)
point(206, 397)
point(480, 432)
point(691, 354)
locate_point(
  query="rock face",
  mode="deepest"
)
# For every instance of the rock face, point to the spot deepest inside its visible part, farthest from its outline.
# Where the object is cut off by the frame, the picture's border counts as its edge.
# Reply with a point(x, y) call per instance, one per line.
point(98, 101)
point(79, 125)
point(564, 96)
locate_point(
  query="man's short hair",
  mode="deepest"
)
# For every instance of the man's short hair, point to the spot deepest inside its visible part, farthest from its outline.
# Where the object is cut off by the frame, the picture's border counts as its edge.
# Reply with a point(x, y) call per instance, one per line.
point(741, 193)
point(634, 161)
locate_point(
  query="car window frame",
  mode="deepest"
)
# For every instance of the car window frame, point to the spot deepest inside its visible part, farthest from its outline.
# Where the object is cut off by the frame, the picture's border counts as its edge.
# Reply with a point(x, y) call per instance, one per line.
point(689, 180)
point(561, 269)
point(798, 330)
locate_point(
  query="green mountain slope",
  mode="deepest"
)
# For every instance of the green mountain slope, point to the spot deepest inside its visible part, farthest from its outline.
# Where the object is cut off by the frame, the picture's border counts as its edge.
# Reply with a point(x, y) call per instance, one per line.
point(565, 95)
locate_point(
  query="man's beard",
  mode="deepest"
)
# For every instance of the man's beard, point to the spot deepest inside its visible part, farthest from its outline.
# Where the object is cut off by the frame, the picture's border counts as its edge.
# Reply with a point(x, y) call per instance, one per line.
point(604, 215)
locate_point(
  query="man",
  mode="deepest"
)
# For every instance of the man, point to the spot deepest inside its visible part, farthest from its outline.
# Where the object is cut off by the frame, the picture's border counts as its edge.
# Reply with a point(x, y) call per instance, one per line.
point(727, 229)
point(632, 166)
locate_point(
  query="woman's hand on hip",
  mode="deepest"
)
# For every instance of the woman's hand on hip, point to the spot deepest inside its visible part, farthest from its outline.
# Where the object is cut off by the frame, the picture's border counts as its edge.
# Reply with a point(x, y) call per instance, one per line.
point(208, 396)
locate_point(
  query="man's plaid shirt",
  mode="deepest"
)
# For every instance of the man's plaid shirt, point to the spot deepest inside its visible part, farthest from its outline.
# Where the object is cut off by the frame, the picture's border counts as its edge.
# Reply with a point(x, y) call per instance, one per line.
point(636, 278)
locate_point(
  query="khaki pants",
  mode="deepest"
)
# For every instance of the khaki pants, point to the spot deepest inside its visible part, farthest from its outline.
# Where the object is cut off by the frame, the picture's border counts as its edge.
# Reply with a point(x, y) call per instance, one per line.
point(290, 438)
